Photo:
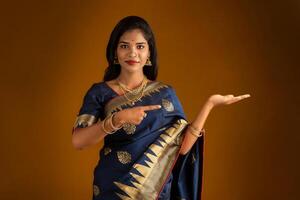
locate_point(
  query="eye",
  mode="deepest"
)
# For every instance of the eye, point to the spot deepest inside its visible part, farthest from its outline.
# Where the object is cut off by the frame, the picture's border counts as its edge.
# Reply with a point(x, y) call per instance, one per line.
point(123, 46)
point(140, 46)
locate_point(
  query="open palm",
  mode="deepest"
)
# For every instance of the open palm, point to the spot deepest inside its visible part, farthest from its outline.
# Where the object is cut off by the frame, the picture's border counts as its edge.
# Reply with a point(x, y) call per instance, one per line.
point(218, 99)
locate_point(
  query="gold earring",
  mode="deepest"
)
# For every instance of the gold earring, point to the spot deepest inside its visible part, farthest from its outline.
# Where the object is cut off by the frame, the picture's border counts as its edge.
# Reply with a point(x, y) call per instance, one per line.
point(116, 62)
point(148, 62)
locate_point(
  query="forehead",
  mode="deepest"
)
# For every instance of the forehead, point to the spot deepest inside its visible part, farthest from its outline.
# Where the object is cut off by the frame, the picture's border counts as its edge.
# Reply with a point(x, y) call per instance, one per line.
point(135, 35)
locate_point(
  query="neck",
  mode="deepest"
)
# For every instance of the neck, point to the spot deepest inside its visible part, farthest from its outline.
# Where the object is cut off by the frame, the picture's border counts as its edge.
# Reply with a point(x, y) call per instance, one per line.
point(131, 80)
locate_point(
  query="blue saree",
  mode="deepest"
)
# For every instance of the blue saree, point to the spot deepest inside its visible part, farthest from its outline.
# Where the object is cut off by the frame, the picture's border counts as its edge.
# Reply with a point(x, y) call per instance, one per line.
point(142, 161)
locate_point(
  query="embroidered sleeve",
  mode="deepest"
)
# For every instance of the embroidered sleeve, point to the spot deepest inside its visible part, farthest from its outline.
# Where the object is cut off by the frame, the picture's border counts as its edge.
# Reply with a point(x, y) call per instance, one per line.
point(90, 110)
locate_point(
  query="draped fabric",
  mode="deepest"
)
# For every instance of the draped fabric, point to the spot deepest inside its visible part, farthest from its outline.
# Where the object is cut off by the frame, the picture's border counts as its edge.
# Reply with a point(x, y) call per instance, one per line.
point(142, 161)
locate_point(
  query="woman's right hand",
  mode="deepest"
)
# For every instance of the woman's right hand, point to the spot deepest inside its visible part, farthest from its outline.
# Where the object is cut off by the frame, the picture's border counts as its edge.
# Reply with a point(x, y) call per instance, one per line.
point(133, 115)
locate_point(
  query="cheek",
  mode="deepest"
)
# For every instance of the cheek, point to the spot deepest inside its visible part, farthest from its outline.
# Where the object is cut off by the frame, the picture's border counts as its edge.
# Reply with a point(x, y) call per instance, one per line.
point(120, 53)
point(144, 55)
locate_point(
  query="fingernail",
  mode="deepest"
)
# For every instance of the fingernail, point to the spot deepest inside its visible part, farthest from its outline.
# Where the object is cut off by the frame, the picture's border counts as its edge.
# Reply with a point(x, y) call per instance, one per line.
point(159, 106)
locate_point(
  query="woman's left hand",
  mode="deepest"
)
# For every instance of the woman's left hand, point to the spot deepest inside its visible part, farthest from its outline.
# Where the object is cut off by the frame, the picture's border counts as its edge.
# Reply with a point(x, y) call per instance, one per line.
point(218, 99)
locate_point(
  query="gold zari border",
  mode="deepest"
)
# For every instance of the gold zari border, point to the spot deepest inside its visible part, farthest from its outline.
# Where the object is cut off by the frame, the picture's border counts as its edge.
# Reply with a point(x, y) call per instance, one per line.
point(119, 101)
point(147, 184)
point(84, 120)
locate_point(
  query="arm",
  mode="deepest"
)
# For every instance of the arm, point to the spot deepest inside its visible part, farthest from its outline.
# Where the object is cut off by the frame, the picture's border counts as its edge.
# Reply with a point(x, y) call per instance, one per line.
point(198, 123)
point(84, 137)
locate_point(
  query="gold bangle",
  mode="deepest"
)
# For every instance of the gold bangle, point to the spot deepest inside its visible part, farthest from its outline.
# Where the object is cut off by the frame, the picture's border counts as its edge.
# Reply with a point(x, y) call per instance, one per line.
point(193, 128)
point(196, 132)
point(103, 126)
point(111, 123)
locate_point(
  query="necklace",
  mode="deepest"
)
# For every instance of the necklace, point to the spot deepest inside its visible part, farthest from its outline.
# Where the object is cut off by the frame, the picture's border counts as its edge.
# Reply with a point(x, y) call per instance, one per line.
point(139, 91)
point(134, 91)
point(134, 99)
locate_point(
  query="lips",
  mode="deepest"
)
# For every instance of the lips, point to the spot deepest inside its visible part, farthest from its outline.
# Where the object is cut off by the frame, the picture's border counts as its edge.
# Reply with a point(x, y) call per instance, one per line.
point(131, 62)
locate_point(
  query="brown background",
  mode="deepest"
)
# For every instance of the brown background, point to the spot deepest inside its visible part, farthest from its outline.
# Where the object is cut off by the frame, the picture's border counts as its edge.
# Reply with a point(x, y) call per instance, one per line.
point(52, 51)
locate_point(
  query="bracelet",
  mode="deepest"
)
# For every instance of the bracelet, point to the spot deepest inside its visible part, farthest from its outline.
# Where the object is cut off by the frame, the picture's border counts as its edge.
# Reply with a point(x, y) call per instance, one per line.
point(103, 128)
point(196, 132)
point(109, 119)
point(111, 123)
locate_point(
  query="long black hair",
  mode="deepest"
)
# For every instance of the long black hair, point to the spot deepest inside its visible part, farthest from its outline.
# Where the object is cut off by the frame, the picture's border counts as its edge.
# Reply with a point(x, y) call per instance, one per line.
point(126, 24)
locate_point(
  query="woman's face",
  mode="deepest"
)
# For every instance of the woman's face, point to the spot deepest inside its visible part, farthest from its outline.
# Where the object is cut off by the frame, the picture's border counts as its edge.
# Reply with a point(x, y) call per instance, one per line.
point(132, 51)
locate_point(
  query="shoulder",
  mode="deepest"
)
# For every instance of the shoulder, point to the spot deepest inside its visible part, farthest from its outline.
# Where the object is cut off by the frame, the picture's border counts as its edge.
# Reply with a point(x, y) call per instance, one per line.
point(160, 84)
point(97, 90)
point(165, 85)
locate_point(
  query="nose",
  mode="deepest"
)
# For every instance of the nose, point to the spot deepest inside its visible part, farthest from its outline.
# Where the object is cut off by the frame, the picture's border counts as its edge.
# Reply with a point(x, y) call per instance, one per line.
point(132, 52)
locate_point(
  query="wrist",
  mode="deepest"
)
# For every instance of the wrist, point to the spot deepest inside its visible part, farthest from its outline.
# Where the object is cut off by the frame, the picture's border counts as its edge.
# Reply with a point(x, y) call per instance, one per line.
point(117, 120)
point(104, 126)
point(195, 130)
point(108, 125)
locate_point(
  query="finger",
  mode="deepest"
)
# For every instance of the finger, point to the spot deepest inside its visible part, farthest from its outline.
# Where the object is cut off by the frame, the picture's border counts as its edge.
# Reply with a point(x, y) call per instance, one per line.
point(238, 98)
point(246, 95)
point(231, 97)
point(137, 122)
point(142, 115)
point(243, 96)
point(233, 100)
point(152, 107)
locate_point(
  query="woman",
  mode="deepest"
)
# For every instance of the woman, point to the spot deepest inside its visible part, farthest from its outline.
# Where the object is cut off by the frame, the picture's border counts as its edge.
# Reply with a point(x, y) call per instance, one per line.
point(150, 151)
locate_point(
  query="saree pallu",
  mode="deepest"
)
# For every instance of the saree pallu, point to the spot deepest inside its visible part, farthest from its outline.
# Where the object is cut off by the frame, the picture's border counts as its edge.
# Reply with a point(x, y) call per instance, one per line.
point(142, 161)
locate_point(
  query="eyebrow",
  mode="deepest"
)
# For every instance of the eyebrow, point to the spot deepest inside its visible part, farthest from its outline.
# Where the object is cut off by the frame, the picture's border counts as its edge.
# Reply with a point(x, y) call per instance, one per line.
point(128, 42)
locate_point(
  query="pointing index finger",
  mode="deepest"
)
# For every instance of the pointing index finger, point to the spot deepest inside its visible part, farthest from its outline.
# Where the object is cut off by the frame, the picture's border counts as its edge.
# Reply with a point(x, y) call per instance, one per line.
point(151, 107)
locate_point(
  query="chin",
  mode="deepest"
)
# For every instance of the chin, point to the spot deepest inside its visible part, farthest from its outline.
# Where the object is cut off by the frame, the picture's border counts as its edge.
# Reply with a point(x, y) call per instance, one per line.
point(132, 68)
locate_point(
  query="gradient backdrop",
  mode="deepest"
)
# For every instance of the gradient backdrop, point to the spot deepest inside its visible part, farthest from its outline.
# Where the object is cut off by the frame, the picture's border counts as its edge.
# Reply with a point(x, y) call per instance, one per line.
point(52, 51)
